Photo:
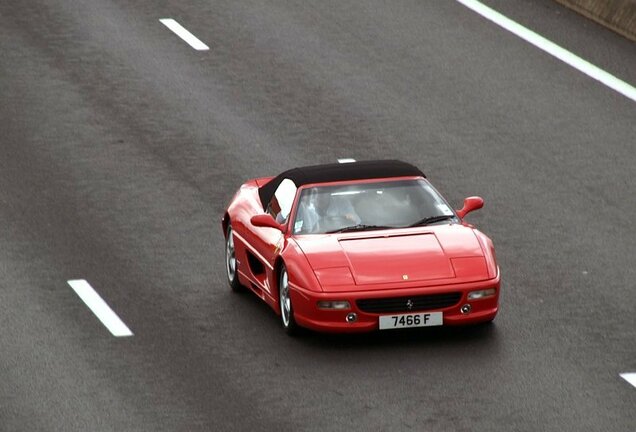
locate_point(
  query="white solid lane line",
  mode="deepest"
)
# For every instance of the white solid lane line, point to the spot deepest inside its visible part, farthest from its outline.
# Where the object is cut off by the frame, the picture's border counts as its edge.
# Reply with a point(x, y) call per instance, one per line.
point(629, 377)
point(99, 307)
point(551, 48)
point(346, 160)
point(184, 34)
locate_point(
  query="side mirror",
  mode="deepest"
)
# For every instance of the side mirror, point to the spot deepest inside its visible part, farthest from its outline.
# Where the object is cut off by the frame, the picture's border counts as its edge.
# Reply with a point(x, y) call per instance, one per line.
point(470, 204)
point(267, 221)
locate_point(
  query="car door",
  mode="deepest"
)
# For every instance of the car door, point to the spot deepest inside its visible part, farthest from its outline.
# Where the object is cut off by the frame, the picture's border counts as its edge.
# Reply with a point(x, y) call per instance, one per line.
point(269, 241)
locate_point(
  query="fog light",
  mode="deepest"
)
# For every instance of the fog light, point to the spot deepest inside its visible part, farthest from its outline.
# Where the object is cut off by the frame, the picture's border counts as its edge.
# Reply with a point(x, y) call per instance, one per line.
point(352, 317)
point(334, 305)
point(476, 295)
point(465, 309)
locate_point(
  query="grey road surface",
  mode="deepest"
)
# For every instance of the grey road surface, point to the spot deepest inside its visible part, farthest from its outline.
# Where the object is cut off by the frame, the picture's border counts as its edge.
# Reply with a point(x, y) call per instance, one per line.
point(120, 146)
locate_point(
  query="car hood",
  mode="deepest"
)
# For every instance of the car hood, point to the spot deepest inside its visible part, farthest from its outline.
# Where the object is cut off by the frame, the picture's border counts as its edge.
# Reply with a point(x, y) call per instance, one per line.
point(366, 260)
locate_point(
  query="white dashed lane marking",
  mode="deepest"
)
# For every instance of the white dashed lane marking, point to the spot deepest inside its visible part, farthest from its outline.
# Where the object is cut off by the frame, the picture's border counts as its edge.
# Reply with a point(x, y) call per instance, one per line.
point(184, 34)
point(551, 48)
point(99, 307)
point(346, 160)
point(629, 377)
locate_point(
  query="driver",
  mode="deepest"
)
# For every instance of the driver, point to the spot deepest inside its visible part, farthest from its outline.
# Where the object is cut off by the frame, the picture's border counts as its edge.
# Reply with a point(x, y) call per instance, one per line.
point(321, 206)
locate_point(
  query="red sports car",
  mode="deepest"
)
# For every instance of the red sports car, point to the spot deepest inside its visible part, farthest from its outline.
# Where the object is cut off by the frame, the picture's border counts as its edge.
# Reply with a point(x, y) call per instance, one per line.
point(359, 246)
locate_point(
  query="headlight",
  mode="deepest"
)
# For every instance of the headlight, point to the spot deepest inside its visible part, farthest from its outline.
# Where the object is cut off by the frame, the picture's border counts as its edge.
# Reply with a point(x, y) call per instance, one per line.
point(476, 295)
point(334, 305)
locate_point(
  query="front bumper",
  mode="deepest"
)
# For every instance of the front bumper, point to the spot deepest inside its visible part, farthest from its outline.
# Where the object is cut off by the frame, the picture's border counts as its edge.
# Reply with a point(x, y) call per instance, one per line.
point(308, 315)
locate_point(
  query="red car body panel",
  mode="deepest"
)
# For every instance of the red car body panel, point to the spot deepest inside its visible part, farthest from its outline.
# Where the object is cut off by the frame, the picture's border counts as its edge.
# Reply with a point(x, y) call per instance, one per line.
point(398, 262)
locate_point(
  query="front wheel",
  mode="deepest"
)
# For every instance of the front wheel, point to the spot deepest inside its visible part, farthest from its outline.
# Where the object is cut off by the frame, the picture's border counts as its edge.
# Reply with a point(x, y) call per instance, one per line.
point(230, 261)
point(286, 308)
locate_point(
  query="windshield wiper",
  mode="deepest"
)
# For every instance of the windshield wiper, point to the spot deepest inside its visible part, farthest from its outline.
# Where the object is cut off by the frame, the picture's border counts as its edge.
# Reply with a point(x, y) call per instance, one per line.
point(358, 227)
point(432, 219)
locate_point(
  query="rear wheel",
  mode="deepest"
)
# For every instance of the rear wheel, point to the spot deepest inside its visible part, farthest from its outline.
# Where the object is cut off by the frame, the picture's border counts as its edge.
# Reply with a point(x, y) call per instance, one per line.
point(286, 308)
point(230, 261)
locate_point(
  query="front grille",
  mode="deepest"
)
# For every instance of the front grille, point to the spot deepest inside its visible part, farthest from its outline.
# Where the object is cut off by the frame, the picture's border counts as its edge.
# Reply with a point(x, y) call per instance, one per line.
point(400, 304)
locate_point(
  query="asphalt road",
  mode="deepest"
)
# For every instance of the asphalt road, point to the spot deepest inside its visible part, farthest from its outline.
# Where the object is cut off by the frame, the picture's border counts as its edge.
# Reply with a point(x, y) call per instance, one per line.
point(120, 147)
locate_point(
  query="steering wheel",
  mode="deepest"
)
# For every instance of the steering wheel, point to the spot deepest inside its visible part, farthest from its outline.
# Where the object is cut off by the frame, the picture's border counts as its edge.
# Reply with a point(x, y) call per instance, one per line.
point(329, 223)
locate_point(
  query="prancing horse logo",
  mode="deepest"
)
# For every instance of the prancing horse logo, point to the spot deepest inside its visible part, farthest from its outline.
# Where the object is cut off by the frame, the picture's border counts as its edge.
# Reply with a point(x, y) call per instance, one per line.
point(409, 304)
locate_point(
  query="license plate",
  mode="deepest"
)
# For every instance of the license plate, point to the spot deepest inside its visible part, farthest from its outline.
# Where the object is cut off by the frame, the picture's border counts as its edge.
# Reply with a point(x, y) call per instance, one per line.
point(411, 320)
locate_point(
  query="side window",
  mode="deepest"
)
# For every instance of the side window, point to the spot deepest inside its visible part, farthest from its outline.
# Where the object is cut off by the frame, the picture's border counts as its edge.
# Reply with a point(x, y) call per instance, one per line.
point(282, 201)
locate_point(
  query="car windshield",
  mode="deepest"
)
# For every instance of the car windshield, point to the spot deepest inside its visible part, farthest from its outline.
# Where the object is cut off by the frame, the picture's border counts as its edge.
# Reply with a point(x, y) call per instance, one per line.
point(369, 206)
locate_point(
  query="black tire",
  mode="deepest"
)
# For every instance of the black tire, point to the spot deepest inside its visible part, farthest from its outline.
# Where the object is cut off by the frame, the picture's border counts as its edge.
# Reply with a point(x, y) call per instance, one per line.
point(231, 267)
point(284, 301)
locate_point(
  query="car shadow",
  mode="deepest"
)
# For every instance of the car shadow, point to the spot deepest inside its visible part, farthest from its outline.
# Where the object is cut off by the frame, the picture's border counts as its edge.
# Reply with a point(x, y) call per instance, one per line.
point(484, 334)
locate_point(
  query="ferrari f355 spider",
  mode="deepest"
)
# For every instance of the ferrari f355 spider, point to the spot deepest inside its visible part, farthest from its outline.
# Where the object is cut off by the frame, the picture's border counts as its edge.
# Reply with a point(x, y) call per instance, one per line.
point(359, 247)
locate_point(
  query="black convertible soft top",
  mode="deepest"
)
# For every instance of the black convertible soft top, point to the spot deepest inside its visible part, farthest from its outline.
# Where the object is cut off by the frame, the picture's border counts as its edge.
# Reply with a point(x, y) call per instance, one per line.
point(339, 172)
